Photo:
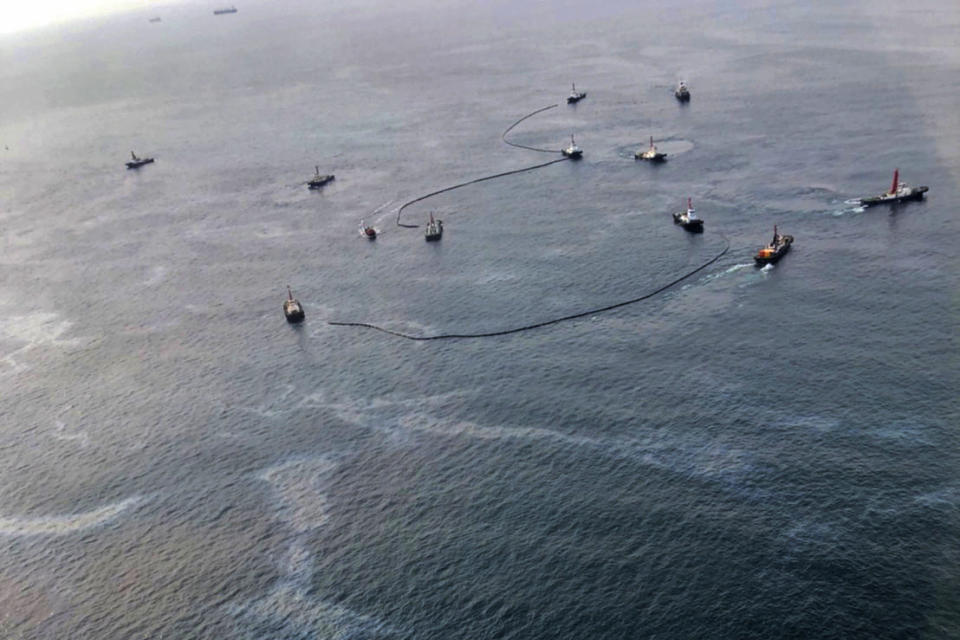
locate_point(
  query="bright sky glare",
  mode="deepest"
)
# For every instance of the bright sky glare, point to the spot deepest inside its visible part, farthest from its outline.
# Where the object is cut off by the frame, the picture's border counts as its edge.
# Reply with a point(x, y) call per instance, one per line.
point(18, 15)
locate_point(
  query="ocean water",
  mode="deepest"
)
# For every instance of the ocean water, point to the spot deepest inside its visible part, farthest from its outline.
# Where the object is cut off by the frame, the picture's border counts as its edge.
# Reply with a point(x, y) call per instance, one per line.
point(753, 453)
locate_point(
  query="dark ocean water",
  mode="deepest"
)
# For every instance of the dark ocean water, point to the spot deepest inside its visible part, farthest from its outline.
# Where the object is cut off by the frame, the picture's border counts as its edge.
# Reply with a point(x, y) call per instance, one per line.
point(752, 454)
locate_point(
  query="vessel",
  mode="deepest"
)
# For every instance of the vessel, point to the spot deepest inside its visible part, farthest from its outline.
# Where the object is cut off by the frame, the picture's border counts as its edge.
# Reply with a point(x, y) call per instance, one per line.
point(573, 151)
point(137, 162)
point(688, 219)
point(899, 192)
point(292, 309)
point(367, 232)
point(219, 12)
point(682, 92)
point(575, 96)
point(318, 180)
point(434, 230)
point(651, 154)
point(777, 248)
point(156, 19)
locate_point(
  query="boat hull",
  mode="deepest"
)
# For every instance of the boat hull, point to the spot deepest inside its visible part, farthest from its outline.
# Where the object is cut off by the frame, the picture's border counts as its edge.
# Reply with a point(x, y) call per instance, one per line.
point(693, 226)
point(577, 98)
point(915, 194)
point(682, 97)
point(573, 155)
point(762, 260)
point(136, 164)
point(317, 183)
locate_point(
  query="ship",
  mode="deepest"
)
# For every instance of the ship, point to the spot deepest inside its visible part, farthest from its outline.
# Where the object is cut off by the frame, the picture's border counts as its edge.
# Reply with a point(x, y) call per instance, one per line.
point(318, 180)
point(434, 229)
point(220, 12)
point(651, 154)
point(777, 248)
point(688, 219)
point(292, 309)
point(573, 151)
point(367, 232)
point(899, 192)
point(575, 96)
point(156, 19)
point(682, 92)
point(137, 161)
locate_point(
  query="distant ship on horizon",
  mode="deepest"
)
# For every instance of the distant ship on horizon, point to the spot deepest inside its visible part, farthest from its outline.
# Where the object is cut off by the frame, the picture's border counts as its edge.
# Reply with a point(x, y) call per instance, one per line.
point(218, 12)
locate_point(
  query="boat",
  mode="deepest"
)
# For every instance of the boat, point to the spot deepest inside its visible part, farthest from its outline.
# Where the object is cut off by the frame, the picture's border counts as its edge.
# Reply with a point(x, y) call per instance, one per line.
point(155, 19)
point(899, 192)
point(682, 92)
point(318, 180)
point(292, 309)
point(434, 230)
point(651, 154)
point(137, 161)
point(367, 232)
point(575, 96)
point(775, 250)
point(220, 12)
point(688, 219)
point(573, 151)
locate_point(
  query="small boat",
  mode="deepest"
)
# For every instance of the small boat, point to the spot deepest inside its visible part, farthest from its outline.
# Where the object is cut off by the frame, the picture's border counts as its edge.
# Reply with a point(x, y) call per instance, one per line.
point(367, 232)
point(899, 192)
point(575, 96)
point(292, 309)
point(681, 92)
point(137, 161)
point(220, 12)
point(688, 219)
point(651, 154)
point(434, 230)
point(573, 151)
point(318, 180)
point(775, 250)
point(155, 19)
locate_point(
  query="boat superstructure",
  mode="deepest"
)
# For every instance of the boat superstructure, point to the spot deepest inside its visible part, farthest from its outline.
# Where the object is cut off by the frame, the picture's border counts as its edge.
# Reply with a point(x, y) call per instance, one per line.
point(777, 248)
point(367, 231)
point(292, 309)
point(433, 230)
point(651, 154)
point(689, 219)
point(318, 180)
point(575, 96)
point(573, 151)
point(899, 192)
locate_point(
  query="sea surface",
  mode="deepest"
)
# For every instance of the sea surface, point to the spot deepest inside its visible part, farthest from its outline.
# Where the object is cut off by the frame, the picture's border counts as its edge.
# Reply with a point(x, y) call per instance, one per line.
point(753, 453)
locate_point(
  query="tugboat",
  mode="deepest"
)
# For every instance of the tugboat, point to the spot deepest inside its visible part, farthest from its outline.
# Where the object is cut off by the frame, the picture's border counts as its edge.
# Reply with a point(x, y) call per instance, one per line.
point(434, 229)
point(651, 154)
point(682, 93)
point(573, 151)
point(775, 250)
point(899, 192)
point(292, 309)
point(137, 162)
point(575, 96)
point(367, 232)
point(688, 219)
point(220, 12)
point(318, 180)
